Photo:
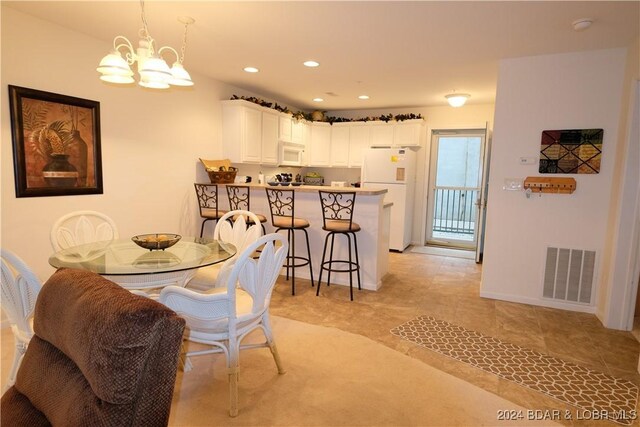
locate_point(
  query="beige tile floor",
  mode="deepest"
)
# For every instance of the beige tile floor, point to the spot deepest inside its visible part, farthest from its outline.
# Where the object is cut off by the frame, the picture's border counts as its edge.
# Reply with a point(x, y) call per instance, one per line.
point(448, 289)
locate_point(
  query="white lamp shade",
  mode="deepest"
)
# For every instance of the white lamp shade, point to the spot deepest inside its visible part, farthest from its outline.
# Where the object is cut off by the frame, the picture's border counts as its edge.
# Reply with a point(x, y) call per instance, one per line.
point(154, 69)
point(114, 65)
point(115, 78)
point(457, 99)
point(153, 84)
point(180, 76)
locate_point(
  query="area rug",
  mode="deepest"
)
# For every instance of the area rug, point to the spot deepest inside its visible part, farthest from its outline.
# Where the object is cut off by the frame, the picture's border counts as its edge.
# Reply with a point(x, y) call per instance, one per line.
point(593, 393)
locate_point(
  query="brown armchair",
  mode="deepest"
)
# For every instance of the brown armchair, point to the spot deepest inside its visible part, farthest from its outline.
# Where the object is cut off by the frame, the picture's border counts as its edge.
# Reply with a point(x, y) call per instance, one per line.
point(100, 356)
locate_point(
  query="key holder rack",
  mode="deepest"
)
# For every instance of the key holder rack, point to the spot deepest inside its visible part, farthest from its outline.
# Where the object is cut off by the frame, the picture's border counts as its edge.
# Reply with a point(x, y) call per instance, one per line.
point(540, 184)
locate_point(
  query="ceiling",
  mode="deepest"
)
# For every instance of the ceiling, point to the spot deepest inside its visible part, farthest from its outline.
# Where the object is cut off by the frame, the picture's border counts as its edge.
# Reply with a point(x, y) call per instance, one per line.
point(401, 54)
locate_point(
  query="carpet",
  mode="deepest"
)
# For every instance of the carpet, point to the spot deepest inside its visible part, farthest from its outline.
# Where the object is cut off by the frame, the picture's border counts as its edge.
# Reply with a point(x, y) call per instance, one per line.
point(595, 394)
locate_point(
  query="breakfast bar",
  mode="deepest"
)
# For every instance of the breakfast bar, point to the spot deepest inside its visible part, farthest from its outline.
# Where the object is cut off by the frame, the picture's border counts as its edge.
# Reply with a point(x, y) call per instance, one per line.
point(370, 212)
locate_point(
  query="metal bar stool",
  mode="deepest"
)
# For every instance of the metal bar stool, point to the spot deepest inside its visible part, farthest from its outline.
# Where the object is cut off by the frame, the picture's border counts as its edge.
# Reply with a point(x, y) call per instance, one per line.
point(282, 207)
point(208, 203)
point(337, 216)
point(240, 200)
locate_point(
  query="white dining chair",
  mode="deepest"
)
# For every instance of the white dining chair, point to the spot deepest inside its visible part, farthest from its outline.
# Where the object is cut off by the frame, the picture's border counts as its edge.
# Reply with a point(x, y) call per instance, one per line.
point(231, 228)
point(81, 227)
point(20, 288)
point(223, 317)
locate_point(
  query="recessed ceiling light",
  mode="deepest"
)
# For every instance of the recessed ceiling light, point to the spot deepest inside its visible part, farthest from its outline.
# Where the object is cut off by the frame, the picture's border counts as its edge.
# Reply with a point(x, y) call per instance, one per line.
point(318, 99)
point(363, 97)
point(582, 24)
point(311, 63)
point(251, 69)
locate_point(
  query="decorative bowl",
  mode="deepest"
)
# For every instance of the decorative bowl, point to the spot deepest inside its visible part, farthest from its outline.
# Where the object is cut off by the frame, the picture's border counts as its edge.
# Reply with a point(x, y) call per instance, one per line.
point(156, 241)
point(273, 183)
point(284, 184)
point(296, 184)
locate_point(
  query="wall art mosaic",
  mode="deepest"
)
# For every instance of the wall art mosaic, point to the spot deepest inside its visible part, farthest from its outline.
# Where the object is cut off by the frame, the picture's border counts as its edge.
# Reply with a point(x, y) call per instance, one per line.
point(571, 151)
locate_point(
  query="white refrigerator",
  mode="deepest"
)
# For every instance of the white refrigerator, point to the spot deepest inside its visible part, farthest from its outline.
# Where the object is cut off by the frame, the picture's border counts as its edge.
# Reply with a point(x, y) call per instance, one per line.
point(393, 169)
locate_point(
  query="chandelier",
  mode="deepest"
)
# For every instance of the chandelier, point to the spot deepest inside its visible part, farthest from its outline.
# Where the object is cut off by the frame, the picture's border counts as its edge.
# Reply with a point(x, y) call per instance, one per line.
point(457, 99)
point(153, 70)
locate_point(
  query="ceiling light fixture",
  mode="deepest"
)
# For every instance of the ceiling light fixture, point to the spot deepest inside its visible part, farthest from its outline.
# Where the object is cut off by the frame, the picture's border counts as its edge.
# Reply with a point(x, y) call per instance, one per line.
point(311, 64)
point(363, 97)
point(457, 99)
point(251, 69)
point(582, 24)
point(318, 99)
point(153, 70)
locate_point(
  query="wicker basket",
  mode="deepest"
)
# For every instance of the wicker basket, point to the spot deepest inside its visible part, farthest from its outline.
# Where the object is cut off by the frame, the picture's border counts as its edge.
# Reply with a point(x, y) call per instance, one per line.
point(225, 177)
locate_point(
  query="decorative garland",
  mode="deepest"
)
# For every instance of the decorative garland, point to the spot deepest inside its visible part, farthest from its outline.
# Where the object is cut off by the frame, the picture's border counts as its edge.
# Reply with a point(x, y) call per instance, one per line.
point(301, 115)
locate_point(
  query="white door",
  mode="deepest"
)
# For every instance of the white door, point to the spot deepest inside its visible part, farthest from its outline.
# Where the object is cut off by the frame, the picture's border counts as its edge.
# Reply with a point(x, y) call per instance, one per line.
point(454, 188)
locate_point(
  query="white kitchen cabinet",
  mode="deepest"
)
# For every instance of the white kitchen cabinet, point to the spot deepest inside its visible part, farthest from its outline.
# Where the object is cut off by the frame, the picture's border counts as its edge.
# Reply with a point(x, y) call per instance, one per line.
point(408, 133)
point(241, 132)
point(270, 138)
point(319, 147)
point(285, 121)
point(298, 128)
point(380, 134)
point(340, 144)
point(358, 142)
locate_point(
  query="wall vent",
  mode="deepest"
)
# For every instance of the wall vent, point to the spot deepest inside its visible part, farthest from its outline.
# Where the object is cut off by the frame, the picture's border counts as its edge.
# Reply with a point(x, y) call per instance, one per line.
point(568, 275)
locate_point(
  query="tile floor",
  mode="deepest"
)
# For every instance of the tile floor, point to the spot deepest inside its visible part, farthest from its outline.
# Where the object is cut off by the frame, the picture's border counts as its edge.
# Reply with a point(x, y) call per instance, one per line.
point(448, 289)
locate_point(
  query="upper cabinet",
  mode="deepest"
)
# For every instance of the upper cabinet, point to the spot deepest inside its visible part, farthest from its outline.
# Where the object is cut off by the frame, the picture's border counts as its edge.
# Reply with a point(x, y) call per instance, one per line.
point(380, 134)
point(286, 122)
point(319, 146)
point(241, 133)
point(249, 133)
point(358, 142)
point(408, 133)
point(340, 144)
point(269, 138)
point(298, 129)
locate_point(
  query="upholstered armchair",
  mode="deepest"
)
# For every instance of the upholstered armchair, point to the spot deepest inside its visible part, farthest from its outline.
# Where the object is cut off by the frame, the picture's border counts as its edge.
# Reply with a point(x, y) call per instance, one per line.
point(100, 356)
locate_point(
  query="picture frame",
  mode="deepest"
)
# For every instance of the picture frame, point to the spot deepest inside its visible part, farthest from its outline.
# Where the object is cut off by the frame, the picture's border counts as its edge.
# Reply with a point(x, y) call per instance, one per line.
point(56, 143)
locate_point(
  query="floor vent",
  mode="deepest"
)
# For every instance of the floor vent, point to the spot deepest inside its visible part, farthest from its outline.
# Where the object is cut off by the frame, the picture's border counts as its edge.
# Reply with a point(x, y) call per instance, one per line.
point(568, 274)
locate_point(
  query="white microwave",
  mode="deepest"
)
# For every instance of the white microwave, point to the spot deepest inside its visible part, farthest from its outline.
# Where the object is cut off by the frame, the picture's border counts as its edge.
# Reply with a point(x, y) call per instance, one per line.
point(291, 154)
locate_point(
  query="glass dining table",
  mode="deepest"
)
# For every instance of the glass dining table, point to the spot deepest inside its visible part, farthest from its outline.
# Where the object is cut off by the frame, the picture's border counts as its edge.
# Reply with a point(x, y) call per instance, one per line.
point(133, 267)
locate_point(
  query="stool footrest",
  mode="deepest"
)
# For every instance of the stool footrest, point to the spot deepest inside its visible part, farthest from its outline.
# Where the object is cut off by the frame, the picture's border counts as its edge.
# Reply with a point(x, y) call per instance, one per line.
point(349, 267)
point(287, 265)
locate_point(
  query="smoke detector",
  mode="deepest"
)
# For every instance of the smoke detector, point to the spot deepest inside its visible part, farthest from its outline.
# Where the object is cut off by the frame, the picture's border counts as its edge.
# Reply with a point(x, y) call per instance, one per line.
point(582, 24)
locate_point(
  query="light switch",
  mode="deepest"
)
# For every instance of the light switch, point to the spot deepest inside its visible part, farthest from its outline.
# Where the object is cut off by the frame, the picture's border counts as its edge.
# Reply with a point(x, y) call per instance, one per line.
point(528, 160)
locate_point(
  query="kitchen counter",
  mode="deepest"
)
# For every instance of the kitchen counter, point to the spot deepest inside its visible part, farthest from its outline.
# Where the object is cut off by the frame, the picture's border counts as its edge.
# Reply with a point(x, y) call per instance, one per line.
point(370, 212)
point(314, 188)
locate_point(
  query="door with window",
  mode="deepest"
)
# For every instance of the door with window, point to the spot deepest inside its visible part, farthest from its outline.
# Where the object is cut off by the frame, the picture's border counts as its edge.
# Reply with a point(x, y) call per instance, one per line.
point(454, 208)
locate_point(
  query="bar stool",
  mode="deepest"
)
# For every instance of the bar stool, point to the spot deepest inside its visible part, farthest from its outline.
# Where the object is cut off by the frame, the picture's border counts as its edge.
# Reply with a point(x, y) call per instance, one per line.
point(337, 217)
point(208, 202)
point(240, 200)
point(282, 207)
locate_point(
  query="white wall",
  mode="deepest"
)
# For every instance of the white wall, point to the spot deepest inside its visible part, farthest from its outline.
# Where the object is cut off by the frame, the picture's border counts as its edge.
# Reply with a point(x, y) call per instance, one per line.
point(568, 91)
point(445, 117)
point(151, 140)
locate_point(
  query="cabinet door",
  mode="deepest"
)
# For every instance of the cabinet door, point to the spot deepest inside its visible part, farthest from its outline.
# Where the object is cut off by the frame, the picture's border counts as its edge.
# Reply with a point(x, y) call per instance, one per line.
point(358, 142)
point(340, 145)
point(251, 141)
point(285, 128)
point(269, 139)
point(297, 131)
point(381, 134)
point(407, 134)
point(320, 149)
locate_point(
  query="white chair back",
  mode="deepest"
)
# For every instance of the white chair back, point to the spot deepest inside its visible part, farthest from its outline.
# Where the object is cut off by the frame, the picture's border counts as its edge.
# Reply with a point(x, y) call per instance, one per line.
point(232, 228)
point(20, 288)
point(80, 227)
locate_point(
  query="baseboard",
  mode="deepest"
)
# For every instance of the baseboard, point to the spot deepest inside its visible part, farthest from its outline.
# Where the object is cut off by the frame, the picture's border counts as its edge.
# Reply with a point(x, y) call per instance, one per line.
point(339, 281)
point(540, 302)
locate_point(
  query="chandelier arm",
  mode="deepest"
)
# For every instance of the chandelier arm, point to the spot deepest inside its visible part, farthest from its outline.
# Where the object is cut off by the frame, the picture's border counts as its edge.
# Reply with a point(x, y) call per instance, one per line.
point(172, 50)
point(130, 55)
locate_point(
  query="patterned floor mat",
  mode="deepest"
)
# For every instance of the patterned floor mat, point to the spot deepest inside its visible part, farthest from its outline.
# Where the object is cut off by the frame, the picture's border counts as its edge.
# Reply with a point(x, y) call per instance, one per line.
point(596, 394)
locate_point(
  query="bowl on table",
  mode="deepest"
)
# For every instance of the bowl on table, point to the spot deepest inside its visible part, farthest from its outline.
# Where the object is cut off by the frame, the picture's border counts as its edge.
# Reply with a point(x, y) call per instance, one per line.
point(284, 184)
point(296, 184)
point(273, 183)
point(156, 241)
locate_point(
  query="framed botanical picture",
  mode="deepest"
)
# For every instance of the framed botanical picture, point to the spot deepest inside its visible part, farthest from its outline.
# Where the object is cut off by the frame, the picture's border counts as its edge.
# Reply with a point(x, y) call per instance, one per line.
point(56, 143)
